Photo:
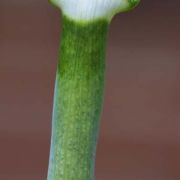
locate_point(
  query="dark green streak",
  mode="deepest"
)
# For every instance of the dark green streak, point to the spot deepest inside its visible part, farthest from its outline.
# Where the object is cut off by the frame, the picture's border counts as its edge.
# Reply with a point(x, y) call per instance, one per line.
point(78, 100)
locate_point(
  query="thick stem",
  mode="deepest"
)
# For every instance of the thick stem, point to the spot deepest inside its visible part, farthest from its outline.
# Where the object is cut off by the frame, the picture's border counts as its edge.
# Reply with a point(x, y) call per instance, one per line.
point(78, 100)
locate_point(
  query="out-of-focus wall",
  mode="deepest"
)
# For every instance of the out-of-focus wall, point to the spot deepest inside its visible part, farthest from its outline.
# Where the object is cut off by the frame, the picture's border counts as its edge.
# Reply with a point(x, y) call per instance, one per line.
point(140, 134)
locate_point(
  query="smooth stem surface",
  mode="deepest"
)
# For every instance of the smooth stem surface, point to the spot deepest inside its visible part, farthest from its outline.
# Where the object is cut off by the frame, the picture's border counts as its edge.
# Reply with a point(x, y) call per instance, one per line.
point(78, 100)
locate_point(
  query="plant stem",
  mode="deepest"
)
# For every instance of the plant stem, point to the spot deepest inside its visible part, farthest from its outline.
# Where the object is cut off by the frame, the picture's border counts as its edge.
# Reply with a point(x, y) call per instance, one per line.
point(78, 100)
point(79, 86)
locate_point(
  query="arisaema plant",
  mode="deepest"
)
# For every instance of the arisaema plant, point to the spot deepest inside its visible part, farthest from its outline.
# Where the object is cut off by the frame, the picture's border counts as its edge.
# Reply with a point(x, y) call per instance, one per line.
point(79, 87)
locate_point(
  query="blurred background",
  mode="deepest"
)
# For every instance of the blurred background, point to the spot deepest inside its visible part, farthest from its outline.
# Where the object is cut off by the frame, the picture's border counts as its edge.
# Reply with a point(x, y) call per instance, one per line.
point(140, 132)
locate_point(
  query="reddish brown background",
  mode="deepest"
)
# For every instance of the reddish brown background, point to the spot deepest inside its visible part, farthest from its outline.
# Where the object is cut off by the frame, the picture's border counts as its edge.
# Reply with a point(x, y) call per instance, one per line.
point(140, 134)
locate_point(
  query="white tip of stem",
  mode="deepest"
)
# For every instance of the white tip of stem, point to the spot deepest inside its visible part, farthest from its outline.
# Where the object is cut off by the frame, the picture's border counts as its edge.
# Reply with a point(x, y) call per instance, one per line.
point(87, 10)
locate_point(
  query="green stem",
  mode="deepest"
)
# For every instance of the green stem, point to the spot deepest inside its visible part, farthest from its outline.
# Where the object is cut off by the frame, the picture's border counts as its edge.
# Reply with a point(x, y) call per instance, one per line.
point(78, 100)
